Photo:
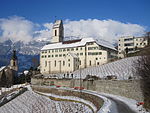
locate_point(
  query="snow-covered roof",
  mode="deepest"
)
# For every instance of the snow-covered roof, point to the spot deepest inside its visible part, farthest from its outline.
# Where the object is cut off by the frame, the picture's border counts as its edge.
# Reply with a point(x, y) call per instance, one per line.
point(1, 68)
point(76, 44)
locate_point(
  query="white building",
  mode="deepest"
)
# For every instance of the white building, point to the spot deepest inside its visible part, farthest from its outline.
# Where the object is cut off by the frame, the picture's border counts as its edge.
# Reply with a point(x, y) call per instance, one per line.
point(68, 56)
point(130, 44)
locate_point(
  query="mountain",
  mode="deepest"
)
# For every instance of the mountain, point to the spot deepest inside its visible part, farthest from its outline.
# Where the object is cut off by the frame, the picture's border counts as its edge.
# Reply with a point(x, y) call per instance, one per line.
point(26, 52)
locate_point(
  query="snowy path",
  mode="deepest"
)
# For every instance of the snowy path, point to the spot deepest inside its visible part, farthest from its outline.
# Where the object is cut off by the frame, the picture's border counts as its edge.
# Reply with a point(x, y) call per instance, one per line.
point(114, 103)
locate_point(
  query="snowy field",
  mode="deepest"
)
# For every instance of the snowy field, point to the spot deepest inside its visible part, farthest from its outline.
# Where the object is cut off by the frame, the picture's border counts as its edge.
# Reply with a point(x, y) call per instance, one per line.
point(122, 69)
point(30, 102)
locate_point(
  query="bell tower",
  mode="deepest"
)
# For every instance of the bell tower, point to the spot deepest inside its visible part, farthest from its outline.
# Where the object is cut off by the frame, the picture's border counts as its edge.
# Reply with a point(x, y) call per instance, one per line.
point(58, 32)
point(14, 61)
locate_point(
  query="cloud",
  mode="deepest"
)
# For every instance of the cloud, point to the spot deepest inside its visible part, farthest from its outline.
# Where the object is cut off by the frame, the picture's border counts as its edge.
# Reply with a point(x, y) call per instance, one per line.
point(18, 28)
point(109, 30)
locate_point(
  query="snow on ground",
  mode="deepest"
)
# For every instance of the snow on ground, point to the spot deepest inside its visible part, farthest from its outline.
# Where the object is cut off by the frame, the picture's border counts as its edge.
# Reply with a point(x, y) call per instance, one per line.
point(30, 102)
point(121, 68)
point(4, 89)
point(130, 102)
point(71, 98)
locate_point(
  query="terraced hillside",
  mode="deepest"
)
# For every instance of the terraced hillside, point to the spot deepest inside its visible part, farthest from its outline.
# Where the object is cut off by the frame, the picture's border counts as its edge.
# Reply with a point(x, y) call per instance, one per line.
point(30, 102)
point(123, 69)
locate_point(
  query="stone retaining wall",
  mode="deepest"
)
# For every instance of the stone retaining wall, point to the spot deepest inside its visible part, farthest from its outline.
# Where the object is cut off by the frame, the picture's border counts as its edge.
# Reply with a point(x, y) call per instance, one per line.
point(130, 89)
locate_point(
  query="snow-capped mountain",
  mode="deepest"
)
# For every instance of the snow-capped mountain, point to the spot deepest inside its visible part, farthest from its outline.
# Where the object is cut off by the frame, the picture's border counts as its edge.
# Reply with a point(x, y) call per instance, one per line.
point(25, 52)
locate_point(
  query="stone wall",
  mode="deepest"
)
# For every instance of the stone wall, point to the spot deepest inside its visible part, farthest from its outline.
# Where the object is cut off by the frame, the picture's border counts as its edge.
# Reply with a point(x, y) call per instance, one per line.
point(130, 89)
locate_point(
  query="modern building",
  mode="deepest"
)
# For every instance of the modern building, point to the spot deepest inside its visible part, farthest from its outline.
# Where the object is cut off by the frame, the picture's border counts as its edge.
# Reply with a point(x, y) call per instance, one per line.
point(67, 56)
point(130, 44)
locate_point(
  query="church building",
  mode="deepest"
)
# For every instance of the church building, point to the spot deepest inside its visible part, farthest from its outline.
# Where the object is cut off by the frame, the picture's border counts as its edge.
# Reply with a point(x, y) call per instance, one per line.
point(67, 56)
point(7, 73)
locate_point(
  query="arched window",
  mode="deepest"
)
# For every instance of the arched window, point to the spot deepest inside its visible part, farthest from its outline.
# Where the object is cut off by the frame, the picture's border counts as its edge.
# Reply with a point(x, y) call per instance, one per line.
point(55, 32)
point(14, 63)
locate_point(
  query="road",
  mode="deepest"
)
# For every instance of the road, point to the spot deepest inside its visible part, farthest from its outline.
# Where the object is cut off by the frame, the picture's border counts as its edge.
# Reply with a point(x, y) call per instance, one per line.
point(119, 106)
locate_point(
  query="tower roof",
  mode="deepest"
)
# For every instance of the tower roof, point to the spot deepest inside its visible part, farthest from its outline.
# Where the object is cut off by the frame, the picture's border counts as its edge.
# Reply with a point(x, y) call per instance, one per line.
point(57, 23)
point(14, 57)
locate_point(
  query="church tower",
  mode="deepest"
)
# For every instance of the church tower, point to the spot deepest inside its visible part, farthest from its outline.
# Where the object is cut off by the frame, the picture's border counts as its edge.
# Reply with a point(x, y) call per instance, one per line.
point(58, 32)
point(14, 61)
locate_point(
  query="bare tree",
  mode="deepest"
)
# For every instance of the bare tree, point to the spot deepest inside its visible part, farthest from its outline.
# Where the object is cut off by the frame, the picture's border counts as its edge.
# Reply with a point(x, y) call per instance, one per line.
point(143, 70)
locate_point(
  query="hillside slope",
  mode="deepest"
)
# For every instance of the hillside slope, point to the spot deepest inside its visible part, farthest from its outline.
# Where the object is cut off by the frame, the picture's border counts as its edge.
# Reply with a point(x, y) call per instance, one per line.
point(121, 68)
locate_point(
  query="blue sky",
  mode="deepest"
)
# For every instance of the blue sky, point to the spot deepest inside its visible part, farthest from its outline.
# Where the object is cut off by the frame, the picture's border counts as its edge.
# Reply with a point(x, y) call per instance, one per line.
point(26, 20)
point(41, 11)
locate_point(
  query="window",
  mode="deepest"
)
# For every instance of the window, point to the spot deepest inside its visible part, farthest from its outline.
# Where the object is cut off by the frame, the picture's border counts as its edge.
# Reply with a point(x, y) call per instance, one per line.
point(60, 50)
point(96, 58)
point(52, 55)
point(72, 49)
point(68, 59)
point(81, 53)
point(69, 65)
point(63, 63)
point(42, 51)
point(14, 63)
point(42, 56)
point(55, 63)
point(128, 39)
point(45, 51)
point(45, 63)
point(129, 44)
point(60, 55)
point(45, 56)
point(56, 55)
point(56, 50)
point(52, 51)
point(100, 53)
point(64, 49)
point(49, 56)
point(90, 63)
point(77, 48)
point(80, 62)
point(68, 49)
point(49, 51)
point(64, 55)
point(55, 32)
point(97, 63)
point(81, 48)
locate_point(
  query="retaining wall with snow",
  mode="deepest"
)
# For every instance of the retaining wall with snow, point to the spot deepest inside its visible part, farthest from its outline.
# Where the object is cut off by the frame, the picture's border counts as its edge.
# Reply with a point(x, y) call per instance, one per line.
point(130, 89)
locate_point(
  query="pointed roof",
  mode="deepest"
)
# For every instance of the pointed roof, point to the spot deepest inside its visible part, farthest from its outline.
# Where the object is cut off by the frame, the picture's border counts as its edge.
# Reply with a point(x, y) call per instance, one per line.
point(57, 23)
point(14, 57)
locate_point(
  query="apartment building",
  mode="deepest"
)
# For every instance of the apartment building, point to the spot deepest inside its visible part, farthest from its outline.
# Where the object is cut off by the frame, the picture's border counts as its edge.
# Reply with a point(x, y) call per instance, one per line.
point(130, 44)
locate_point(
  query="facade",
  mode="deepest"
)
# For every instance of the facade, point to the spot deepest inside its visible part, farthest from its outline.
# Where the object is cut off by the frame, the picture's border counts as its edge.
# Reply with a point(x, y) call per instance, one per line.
point(68, 56)
point(130, 44)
